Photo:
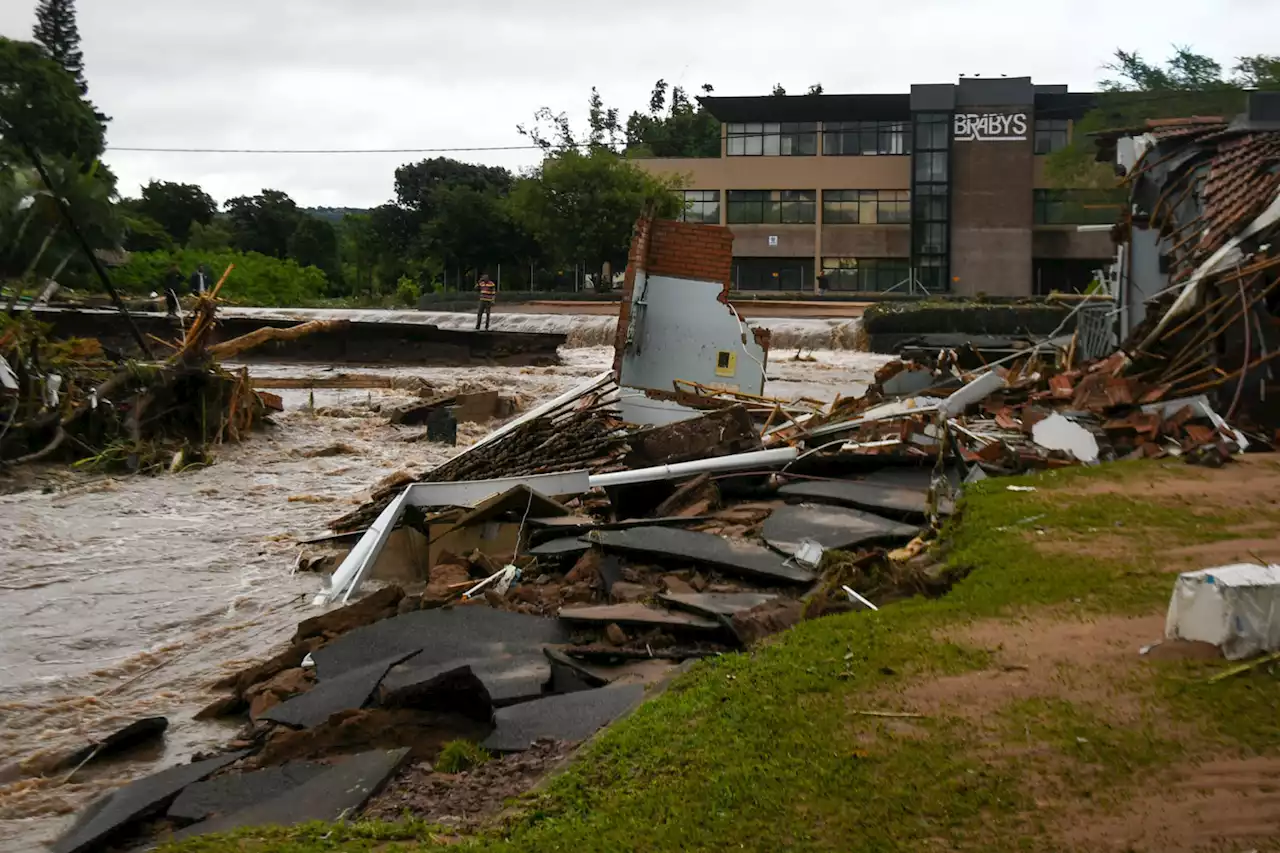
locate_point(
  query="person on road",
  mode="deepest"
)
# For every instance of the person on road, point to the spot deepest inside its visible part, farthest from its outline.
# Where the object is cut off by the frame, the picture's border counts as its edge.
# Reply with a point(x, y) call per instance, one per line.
point(172, 282)
point(488, 295)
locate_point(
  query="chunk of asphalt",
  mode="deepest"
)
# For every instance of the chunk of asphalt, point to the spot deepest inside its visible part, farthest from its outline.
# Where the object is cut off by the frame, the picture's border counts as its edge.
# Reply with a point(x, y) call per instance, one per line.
point(830, 526)
point(444, 636)
point(900, 501)
point(563, 547)
point(638, 616)
point(569, 675)
point(569, 717)
point(137, 732)
point(342, 789)
point(350, 690)
point(450, 689)
point(733, 556)
point(716, 604)
point(508, 679)
point(235, 791)
point(117, 811)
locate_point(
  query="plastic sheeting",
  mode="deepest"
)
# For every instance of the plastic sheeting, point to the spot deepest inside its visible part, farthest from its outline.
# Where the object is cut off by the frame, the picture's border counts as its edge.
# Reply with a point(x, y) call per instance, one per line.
point(1236, 608)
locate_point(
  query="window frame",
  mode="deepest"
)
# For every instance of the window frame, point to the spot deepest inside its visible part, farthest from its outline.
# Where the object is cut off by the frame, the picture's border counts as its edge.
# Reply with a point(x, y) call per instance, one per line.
point(1055, 133)
point(773, 207)
point(771, 139)
point(709, 198)
point(874, 201)
point(882, 274)
point(881, 135)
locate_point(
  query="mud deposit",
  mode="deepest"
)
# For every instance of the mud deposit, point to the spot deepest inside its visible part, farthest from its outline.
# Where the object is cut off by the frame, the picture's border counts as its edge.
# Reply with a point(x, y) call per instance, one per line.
point(127, 597)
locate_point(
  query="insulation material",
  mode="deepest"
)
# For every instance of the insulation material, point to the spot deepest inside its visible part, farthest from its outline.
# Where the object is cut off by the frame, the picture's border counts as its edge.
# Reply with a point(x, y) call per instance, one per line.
point(1236, 608)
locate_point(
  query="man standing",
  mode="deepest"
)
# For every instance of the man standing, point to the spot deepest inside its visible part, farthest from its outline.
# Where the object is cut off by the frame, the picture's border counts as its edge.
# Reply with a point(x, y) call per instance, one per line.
point(488, 295)
point(200, 281)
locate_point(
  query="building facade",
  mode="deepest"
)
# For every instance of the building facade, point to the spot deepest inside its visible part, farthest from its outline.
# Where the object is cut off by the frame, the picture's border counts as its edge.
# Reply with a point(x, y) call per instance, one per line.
point(940, 190)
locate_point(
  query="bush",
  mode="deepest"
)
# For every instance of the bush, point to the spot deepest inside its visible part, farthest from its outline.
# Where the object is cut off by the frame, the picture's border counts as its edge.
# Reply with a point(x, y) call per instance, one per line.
point(460, 755)
point(407, 292)
point(256, 280)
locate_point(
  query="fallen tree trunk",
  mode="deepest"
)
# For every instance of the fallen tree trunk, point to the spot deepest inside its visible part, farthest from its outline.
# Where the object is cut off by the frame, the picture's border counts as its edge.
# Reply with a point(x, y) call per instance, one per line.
point(236, 346)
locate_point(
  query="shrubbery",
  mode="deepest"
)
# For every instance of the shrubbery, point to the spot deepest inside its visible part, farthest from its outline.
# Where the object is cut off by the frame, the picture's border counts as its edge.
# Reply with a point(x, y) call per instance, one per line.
point(256, 280)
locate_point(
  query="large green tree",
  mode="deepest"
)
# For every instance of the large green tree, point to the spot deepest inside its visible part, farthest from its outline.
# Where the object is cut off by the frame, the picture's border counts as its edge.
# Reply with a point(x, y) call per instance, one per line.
point(56, 30)
point(582, 207)
point(416, 183)
point(176, 207)
point(264, 222)
point(314, 243)
point(41, 106)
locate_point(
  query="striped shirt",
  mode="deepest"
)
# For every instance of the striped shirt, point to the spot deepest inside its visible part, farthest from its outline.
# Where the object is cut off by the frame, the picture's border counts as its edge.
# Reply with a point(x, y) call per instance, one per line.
point(488, 291)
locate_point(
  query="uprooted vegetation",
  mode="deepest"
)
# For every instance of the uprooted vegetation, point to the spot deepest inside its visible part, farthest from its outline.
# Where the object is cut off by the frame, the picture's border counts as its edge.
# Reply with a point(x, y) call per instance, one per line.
point(1015, 712)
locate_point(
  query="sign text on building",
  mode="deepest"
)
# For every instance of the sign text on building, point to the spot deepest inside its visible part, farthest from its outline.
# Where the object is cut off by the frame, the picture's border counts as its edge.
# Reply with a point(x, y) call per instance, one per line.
point(991, 127)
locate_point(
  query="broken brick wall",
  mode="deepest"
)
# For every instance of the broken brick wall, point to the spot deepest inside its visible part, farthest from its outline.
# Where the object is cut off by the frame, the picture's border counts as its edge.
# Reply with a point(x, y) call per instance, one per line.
point(678, 250)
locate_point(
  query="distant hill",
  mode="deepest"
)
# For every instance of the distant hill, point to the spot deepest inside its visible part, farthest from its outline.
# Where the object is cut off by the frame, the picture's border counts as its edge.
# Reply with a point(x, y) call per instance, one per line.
point(333, 214)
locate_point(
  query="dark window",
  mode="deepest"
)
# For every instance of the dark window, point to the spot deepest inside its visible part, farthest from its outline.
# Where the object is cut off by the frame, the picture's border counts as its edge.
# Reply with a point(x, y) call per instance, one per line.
point(772, 207)
point(866, 137)
point(1066, 275)
point(865, 207)
point(770, 139)
point(866, 275)
point(931, 202)
point(1052, 134)
point(1078, 207)
point(794, 275)
point(701, 206)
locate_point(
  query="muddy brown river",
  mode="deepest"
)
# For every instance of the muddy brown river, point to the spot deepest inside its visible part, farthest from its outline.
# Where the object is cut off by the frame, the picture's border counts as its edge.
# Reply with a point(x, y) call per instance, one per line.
point(126, 597)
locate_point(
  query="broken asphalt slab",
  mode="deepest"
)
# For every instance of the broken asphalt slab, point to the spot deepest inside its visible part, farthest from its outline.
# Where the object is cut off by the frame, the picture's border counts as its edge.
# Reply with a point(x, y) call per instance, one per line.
point(570, 717)
point(738, 557)
point(235, 791)
point(135, 801)
point(861, 494)
point(506, 680)
point(455, 636)
point(348, 691)
point(563, 547)
point(638, 616)
point(342, 789)
point(829, 526)
point(715, 604)
point(137, 732)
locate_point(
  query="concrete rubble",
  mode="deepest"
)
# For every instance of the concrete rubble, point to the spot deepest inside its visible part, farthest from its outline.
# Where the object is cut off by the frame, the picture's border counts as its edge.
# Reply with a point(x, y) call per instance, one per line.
point(537, 586)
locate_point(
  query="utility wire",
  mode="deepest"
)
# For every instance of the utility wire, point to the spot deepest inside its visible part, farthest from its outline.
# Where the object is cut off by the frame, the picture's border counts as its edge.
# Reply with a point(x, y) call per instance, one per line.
point(320, 150)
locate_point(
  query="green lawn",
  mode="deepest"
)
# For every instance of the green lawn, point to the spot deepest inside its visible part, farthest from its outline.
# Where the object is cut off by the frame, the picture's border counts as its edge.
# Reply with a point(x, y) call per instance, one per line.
point(764, 751)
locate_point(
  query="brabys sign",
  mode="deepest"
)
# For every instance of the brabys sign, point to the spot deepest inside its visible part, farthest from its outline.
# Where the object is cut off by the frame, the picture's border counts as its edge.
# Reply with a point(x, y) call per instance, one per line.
point(990, 127)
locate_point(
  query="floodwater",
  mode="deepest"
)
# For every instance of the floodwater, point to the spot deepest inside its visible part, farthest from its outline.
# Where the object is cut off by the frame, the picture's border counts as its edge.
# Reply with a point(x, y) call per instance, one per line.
point(126, 597)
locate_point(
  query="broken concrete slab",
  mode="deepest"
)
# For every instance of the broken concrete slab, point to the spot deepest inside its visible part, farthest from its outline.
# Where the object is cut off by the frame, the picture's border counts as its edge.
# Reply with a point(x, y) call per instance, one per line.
point(348, 691)
point(455, 689)
point(639, 616)
point(341, 790)
point(134, 734)
point(830, 526)
point(447, 635)
point(714, 604)
point(568, 675)
point(733, 556)
point(912, 478)
point(230, 793)
point(1059, 433)
point(562, 548)
point(570, 717)
point(120, 809)
point(374, 606)
point(507, 678)
point(860, 494)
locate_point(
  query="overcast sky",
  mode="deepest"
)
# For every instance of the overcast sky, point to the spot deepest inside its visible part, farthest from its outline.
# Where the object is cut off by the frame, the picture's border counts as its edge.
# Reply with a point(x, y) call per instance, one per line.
point(436, 74)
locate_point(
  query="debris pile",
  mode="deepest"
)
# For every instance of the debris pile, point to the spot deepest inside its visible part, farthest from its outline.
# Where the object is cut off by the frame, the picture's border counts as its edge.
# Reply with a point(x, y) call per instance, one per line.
point(65, 400)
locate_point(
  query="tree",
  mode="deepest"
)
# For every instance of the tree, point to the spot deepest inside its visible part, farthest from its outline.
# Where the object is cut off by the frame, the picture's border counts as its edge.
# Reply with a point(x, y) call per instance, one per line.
point(582, 207)
point(416, 183)
point(314, 243)
point(144, 234)
point(1187, 84)
point(264, 222)
point(40, 101)
point(815, 89)
point(56, 30)
point(176, 207)
point(217, 236)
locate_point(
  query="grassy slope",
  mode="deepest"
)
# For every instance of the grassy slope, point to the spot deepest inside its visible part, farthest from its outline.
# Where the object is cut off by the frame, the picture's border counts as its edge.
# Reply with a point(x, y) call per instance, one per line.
point(762, 751)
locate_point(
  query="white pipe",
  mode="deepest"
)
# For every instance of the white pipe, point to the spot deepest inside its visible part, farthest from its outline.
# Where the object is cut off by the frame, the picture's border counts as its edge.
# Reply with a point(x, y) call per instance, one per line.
point(737, 462)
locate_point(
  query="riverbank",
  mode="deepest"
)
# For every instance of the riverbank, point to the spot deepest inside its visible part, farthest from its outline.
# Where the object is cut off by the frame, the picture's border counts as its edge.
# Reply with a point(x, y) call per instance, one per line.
point(1014, 713)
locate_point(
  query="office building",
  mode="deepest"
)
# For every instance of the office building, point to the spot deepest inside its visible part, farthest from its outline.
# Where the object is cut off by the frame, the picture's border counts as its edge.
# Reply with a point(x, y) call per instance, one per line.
point(939, 190)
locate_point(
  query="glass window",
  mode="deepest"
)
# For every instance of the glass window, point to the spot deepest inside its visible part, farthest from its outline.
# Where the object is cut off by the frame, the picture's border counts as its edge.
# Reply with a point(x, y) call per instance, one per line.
point(701, 206)
point(931, 166)
point(866, 275)
point(1052, 134)
point(931, 203)
point(788, 274)
point(772, 139)
point(866, 138)
point(759, 207)
point(1078, 207)
point(865, 207)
